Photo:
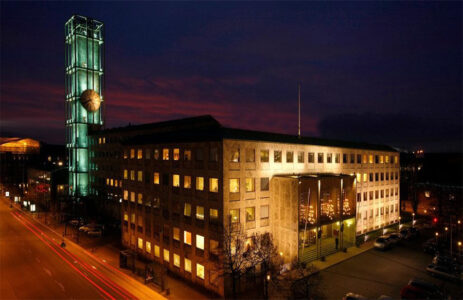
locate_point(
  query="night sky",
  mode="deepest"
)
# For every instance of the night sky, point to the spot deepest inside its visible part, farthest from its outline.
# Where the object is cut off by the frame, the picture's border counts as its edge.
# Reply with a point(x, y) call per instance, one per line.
point(380, 72)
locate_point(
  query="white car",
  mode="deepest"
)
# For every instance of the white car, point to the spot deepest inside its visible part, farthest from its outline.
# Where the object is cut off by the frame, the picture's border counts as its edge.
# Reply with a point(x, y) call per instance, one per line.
point(394, 237)
point(383, 242)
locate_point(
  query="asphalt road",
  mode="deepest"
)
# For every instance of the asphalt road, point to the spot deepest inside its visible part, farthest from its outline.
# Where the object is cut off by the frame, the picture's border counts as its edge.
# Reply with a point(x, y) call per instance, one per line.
point(34, 266)
point(375, 273)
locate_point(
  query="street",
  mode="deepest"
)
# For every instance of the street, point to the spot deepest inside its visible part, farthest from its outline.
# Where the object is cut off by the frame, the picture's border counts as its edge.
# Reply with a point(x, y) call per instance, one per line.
point(375, 273)
point(33, 265)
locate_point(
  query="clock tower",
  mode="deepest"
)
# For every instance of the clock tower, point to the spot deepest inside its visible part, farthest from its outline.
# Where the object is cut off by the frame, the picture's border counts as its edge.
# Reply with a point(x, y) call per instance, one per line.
point(84, 100)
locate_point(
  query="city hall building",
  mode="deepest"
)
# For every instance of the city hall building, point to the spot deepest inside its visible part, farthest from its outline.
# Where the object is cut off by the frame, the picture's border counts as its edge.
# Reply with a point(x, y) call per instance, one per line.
point(178, 183)
point(175, 185)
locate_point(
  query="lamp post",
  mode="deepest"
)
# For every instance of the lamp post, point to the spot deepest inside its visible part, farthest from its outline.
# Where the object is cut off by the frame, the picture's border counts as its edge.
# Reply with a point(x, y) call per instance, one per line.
point(399, 222)
point(437, 236)
point(413, 219)
point(459, 248)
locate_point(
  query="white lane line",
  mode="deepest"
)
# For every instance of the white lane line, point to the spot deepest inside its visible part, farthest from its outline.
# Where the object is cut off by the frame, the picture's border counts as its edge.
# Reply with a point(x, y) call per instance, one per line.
point(47, 271)
point(60, 285)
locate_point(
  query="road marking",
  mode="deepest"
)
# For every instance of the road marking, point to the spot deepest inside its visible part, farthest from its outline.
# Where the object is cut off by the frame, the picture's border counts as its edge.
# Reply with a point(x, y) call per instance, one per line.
point(94, 267)
point(60, 285)
point(47, 271)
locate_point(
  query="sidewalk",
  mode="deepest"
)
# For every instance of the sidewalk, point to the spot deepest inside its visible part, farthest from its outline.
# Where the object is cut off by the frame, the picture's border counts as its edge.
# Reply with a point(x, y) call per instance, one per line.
point(340, 256)
point(108, 250)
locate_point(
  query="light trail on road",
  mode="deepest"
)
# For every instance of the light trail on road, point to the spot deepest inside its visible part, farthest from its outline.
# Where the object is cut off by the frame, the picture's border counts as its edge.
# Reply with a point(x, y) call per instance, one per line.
point(115, 288)
point(92, 269)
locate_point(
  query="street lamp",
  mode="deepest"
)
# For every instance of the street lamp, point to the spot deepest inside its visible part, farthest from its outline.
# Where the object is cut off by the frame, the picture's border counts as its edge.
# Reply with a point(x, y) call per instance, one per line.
point(400, 225)
point(459, 247)
point(437, 235)
point(413, 219)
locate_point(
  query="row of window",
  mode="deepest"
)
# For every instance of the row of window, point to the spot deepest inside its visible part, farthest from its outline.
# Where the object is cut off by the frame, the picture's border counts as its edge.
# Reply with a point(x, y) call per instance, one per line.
point(250, 154)
point(379, 210)
point(291, 157)
point(171, 154)
point(382, 176)
point(187, 265)
point(372, 195)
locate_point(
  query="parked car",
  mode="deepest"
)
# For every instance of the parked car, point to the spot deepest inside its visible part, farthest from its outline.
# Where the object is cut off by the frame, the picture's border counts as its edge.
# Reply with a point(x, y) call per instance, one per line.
point(353, 296)
point(383, 242)
point(420, 289)
point(90, 227)
point(431, 246)
point(394, 237)
point(446, 272)
point(95, 232)
point(404, 233)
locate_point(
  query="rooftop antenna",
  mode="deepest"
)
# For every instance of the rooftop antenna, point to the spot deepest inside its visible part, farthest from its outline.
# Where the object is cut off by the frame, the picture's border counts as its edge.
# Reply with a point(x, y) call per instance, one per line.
point(299, 109)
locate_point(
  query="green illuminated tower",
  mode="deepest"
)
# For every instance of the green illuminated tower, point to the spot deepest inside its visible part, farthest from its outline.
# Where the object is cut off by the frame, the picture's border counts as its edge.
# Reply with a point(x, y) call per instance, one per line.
point(84, 79)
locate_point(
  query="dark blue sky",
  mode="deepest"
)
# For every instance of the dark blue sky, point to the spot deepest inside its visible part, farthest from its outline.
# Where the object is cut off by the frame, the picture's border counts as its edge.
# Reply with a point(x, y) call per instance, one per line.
point(385, 72)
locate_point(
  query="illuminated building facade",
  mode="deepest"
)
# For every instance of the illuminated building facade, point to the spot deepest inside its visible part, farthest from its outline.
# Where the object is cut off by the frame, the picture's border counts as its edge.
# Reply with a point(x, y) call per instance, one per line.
point(181, 181)
point(84, 79)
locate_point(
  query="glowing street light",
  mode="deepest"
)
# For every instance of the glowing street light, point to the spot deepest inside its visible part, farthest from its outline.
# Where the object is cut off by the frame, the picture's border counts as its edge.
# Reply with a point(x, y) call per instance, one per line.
point(437, 236)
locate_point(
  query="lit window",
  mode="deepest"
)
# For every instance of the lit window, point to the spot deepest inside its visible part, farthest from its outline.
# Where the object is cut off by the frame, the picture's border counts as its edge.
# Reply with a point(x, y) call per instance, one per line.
point(264, 184)
point(132, 218)
point(126, 174)
point(264, 155)
point(364, 159)
point(187, 210)
point(386, 159)
point(187, 265)
point(187, 182)
point(157, 251)
point(264, 212)
point(166, 255)
point(139, 154)
point(165, 154)
point(235, 156)
point(200, 271)
point(176, 153)
point(126, 217)
point(213, 213)
point(148, 247)
point(187, 237)
point(365, 177)
point(140, 176)
point(370, 158)
point(200, 183)
point(250, 155)
point(250, 214)
point(199, 242)
point(126, 195)
point(132, 196)
point(156, 178)
point(140, 198)
point(250, 184)
point(132, 175)
point(177, 260)
point(176, 234)
point(359, 177)
point(140, 243)
point(200, 212)
point(126, 154)
point(396, 159)
point(381, 159)
point(213, 185)
point(176, 180)
point(277, 156)
point(235, 215)
point(107, 181)
point(156, 154)
point(187, 155)
point(234, 185)
point(132, 153)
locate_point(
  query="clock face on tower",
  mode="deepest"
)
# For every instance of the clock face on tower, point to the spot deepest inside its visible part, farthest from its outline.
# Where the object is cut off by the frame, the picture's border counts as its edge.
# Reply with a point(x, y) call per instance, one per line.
point(90, 100)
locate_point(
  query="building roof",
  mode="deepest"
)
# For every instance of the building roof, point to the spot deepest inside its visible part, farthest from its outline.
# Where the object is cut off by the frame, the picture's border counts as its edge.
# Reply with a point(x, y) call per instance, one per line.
point(206, 128)
point(19, 145)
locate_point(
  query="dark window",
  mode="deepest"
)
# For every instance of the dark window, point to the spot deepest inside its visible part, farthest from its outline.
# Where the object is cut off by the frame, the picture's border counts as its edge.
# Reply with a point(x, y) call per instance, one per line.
point(359, 158)
point(344, 158)
point(311, 157)
point(264, 184)
point(320, 158)
point(165, 179)
point(214, 154)
point(352, 158)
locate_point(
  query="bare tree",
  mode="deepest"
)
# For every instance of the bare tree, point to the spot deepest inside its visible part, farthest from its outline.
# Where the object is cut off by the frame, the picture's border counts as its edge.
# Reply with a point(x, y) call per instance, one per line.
point(301, 282)
point(265, 254)
point(236, 255)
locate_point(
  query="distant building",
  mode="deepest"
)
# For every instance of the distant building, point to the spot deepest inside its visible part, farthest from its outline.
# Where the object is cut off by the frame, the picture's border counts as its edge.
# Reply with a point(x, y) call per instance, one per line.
point(16, 155)
point(177, 183)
